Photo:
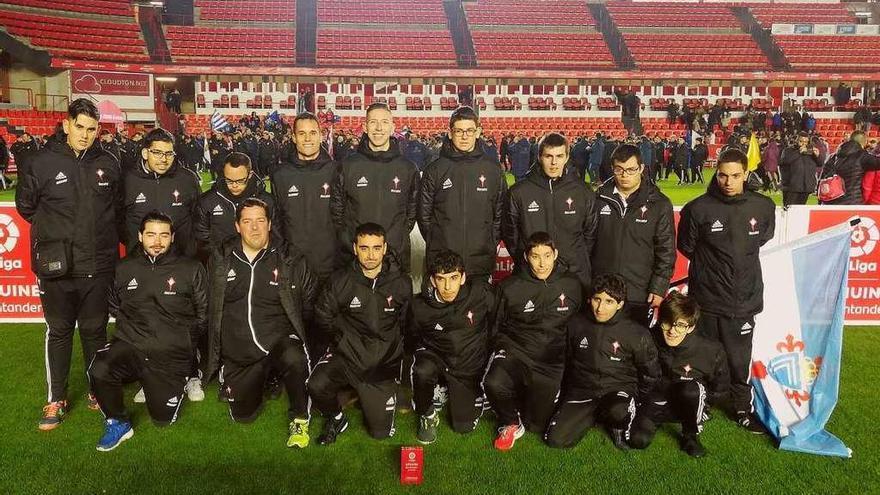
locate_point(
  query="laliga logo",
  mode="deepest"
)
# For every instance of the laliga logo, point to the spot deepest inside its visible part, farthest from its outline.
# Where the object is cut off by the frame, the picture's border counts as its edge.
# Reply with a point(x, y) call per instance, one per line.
point(9, 235)
point(864, 238)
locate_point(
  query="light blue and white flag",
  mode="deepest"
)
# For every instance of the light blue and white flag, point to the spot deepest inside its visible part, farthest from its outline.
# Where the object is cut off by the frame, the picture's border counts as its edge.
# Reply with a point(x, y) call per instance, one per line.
point(798, 338)
point(218, 122)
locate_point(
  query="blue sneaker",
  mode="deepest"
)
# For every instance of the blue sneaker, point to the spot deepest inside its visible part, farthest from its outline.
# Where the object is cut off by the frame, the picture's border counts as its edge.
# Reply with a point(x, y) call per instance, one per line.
point(115, 432)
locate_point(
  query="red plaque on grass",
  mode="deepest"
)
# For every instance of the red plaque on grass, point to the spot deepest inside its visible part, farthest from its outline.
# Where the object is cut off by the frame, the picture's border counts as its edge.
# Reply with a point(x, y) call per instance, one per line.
point(411, 465)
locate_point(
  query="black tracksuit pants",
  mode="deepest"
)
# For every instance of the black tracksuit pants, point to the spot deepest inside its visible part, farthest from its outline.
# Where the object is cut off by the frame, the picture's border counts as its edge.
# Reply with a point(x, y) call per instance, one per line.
point(575, 416)
point(378, 399)
point(119, 363)
point(735, 335)
point(520, 393)
point(465, 395)
point(245, 384)
point(69, 303)
point(685, 403)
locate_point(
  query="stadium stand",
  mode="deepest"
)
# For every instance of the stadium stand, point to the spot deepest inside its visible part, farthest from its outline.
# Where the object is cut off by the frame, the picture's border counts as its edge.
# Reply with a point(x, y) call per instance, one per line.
point(831, 52)
point(231, 45)
point(100, 7)
point(816, 13)
point(671, 15)
point(246, 10)
point(381, 12)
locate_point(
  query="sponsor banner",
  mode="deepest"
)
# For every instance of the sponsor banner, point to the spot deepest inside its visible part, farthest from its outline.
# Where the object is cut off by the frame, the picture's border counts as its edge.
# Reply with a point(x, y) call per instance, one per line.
point(19, 294)
point(109, 83)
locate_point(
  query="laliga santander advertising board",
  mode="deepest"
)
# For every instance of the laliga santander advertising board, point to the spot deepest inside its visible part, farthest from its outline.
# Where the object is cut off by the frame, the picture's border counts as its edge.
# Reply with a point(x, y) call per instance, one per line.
point(19, 294)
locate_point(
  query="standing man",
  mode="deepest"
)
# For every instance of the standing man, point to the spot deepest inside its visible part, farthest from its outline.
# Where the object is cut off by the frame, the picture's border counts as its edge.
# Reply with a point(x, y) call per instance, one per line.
point(721, 233)
point(461, 199)
point(161, 184)
point(553, 199)
point(363, 310)
point(377, 185)
point(24, 149)
point(259, 294)
point(524, 375)
point(612, 365)
point(635, 234)
point(797, 169)
point(302, 196)
point(698, 159)
point(450, 324)
point(216, 209)
point(160, 302)
point(72, 197)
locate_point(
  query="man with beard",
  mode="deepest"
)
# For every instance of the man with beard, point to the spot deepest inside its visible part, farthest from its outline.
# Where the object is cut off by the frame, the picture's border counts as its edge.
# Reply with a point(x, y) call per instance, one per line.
point(160, 303)
point(461, 199)
point(377, 185)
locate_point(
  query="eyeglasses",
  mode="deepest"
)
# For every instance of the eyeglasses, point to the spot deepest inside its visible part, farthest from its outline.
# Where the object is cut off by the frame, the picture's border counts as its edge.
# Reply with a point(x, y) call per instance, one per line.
point(168, 155)
point(620, 171)
point(465, 132)
point(679, 327)
point(236, 182)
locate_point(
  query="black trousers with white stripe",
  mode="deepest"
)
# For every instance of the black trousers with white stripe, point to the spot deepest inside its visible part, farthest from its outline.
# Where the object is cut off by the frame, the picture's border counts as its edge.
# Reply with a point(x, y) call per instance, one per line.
point(378, 399)
point(70, 303)
point(119, 363)
point(735, 335)
point(465, 403)
point(574, 417)
point(685, 403)
point(245, 385)
point(520, 393)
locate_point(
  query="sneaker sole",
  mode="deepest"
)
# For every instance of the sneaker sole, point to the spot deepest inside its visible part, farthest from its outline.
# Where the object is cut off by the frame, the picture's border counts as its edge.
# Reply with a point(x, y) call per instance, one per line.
point(128, 434)
point(297, 445)
point(49, 427)
point(197, 398)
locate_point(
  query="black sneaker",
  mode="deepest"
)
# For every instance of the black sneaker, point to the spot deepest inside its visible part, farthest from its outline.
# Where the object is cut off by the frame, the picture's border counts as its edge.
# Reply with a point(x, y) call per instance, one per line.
point(223, 393)
point(618, 437)
point(427, 432)
point(332, 428)
point(691, 445)
point(750, 422)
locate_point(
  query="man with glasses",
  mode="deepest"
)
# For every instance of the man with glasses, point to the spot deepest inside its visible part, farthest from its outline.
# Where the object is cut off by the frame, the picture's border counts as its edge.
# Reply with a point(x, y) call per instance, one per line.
point(635, 233)
point(461, 199)
point(376, 184)
point(161, 184)
point(215, 211)
point(694, 375)
point(555, 199)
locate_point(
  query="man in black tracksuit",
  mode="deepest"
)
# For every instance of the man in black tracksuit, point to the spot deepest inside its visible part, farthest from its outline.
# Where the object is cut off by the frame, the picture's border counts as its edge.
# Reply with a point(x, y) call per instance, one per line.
point(161, 184)
point(612, 365)
point(160, 301)
point(376, 185)
point(260, 293)
point(694, 376)
point(461, 199)
point(553, 199)
point(302, 198)
point(635, 234)
point(450, 323)
point(525, 371)
point(215, 212)
point(721, 233)
point(797, 169)
point(363, 311)
point(72, 197)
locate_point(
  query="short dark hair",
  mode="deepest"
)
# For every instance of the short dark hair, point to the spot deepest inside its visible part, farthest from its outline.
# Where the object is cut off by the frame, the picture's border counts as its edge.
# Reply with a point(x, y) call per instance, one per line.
point(445, 261)
point(610, 283)
point(539, 239)
point(369, 228)
point(378, 105)
point(305, 116)
point(624, 152)
point(82, 106)
point(734, 155)
point(238, 159)
point(157, 135)
point(464, 113)
point(248, 203)
point(552, 140)
point(156, 216)
point(678, 306)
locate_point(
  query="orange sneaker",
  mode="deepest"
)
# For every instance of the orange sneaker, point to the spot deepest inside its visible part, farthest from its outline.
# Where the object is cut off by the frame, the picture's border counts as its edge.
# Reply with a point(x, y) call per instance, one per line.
point(53, 415)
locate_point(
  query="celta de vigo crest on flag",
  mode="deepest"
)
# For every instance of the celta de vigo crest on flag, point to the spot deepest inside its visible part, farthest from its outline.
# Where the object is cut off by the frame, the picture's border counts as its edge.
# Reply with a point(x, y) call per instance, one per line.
point(798, 339)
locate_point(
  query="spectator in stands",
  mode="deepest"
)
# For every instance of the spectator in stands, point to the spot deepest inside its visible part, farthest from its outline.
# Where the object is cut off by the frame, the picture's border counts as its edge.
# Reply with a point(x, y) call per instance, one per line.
point(415, 151)
point(580, 154)
point(131, 153)
point(268, 154)
point(23, 150)
point(770, 162)
point(777, 121)
point(797, 168)
point(597, 153)
point(842, 95)
point(646, 149)
point(672, 112)
point(490, 149)
point(862, 119)
point(520, 153)
point(714, 116)
point(699, 155)
point(108, 142)
point(851, 162)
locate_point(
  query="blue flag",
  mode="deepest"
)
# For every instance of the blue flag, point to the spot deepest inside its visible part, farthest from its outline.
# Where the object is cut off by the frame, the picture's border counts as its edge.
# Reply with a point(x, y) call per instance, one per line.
point(218, 122)
point(798, 338)
point(275, 117)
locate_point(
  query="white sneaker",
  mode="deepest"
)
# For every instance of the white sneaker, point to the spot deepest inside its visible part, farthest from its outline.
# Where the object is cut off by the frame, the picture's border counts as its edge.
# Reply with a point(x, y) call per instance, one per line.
point(194, 390)
point(140, 398)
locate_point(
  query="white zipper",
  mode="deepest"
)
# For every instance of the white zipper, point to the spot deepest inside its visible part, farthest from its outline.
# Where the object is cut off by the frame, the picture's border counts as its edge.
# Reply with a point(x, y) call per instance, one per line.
point(250, 305)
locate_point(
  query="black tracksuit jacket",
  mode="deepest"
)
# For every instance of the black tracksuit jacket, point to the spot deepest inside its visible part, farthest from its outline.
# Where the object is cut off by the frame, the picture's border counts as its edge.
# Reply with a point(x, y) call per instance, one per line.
point(695, 358)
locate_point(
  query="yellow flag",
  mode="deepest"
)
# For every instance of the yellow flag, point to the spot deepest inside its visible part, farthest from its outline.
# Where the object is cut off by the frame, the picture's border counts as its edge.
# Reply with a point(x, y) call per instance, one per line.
point(754, 153)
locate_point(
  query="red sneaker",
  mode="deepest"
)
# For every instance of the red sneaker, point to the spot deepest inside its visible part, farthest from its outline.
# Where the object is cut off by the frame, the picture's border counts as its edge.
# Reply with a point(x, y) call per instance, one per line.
point(507, 435)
